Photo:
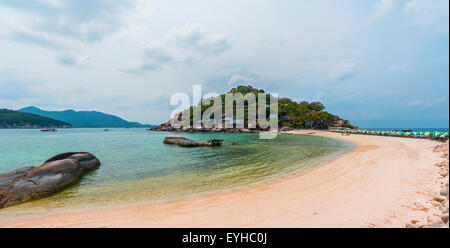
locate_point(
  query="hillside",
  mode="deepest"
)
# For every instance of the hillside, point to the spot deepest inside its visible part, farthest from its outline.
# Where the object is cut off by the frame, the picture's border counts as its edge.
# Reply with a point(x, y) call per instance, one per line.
point(84, 119)
point(15, 119)
point(291, 114)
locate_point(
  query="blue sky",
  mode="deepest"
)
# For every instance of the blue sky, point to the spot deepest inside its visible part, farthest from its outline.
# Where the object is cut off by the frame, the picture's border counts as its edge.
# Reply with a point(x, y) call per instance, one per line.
point(380, 63)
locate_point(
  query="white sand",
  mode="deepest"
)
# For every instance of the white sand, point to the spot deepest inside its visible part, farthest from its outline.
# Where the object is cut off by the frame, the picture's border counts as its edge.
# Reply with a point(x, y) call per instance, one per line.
point(373, 186)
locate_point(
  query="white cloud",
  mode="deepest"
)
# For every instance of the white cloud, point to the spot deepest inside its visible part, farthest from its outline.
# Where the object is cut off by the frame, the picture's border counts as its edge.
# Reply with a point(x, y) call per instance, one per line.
point(53, 3)
point(239, 79)
point(76, 62)
point(184, 45)
point(56, 24)
point(429, 14)
point(342, 71)
point(419, 103)
point(138, 68)
point(187, 43)
point(382, 8)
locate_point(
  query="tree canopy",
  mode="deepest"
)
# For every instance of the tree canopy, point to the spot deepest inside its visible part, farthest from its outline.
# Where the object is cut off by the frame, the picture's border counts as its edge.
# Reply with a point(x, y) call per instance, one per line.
point(290, 113)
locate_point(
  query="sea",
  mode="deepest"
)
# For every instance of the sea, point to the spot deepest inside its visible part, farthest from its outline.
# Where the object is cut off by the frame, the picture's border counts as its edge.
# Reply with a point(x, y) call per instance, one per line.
point(136, 166)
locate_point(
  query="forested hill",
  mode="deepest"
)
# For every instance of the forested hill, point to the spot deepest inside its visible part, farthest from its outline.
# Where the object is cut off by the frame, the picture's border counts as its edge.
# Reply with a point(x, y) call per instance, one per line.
point(292, 114)
point(16, 119)
point(84, 119)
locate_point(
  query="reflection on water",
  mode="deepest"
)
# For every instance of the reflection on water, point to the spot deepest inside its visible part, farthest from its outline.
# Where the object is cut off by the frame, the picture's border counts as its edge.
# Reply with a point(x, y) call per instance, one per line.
point(137, 166)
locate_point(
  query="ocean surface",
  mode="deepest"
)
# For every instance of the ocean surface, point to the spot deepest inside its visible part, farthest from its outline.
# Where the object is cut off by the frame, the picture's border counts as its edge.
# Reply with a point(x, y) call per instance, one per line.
point(137, 166)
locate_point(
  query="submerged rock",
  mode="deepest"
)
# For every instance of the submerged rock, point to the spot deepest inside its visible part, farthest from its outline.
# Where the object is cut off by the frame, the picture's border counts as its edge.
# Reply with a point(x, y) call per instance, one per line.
point(53, 176)
point(182, 141)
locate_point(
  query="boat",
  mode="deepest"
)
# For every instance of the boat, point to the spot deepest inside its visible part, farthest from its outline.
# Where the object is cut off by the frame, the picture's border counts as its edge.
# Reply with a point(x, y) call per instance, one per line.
point(48, 130)
point(106, 130)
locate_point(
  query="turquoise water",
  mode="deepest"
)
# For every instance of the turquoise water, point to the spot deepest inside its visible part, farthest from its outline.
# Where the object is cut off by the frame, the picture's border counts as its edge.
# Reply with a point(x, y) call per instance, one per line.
point(137, 166)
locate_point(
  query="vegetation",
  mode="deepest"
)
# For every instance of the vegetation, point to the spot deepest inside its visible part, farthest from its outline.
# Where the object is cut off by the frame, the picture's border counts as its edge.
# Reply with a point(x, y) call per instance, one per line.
point(290, 113)
point(85, 119)
point(15, 119)
point(303, 114)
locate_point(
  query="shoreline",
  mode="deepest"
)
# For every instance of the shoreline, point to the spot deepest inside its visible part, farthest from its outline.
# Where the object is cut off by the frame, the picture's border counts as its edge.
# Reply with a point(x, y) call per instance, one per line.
point(373, 186)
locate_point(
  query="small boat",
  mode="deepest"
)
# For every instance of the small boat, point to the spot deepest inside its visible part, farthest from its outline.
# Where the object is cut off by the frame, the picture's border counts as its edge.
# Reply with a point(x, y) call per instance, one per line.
point(48, 130)
point(106, 130)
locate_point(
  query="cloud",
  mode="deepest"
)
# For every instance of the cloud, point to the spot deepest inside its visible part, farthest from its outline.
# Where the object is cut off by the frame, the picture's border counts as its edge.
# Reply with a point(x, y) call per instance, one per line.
point(138, 68)
point(54, 23)
point(382, 8)
point(295, 51)
point(419, 103)
point(75, 62)
point(183, 45)
point(342, 71)
point(34, 38)
point(429, 14)
point(186, 44)
point(53, 3)
point(14, 84)
point(239, 79)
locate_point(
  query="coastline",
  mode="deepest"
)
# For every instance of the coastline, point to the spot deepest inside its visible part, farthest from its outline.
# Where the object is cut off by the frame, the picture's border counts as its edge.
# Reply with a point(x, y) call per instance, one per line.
point(375, 185)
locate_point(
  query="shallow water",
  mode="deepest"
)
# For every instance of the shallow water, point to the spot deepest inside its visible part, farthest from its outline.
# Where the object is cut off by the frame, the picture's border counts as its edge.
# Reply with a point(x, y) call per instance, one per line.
point(137, 166)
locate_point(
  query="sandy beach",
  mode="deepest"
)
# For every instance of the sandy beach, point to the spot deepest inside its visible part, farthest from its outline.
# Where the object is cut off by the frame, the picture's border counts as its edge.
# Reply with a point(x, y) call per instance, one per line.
point(376, 185)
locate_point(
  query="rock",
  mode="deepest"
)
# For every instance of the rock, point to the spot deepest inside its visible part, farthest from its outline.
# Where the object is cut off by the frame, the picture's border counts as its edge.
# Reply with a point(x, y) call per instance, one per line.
point(444, 173)
point(435, 203)
point(411, 225)
point(181, 141)
point(434, 219)
point(418, 206)
point(53, 176)
point(440, 164)
point(444, 218)
point(444, 192)
point(444, 207)
point(438, 198)
point(12, 176)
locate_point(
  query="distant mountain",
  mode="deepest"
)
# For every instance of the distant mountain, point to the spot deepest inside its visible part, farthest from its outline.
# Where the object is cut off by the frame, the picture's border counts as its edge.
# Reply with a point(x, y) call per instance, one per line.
point(90, 119)
point(15, 119)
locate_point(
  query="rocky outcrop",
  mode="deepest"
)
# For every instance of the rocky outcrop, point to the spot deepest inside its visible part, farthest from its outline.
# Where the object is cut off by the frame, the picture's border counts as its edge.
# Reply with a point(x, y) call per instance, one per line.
point(168, 127)
point(181, 141)
point(53, 176)
point(163, 127)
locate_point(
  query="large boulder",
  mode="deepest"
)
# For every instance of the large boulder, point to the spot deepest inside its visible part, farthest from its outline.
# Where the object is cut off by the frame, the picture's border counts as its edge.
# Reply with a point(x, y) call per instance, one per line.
point(182, 141)
point(53, 176)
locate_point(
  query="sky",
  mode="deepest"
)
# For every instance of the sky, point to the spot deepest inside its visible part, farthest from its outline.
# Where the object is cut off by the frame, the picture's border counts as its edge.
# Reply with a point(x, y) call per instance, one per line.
point(378, 63)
